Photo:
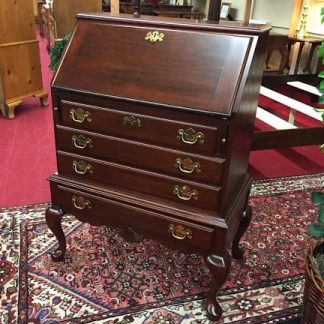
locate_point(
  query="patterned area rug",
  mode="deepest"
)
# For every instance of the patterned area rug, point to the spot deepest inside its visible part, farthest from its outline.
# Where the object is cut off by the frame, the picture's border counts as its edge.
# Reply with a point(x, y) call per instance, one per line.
point(107, 280)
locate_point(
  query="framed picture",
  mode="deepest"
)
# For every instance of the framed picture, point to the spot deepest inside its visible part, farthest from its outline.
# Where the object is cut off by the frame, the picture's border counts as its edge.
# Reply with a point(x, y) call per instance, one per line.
point(225, 10)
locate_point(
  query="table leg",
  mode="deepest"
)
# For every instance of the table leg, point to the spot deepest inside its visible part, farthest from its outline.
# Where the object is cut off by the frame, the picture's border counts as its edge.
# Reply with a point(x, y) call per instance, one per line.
point(246, 217)
point(310, 57)
point(219, 267)
point(269, 53)
point(300, 50)
point(284, 61)
point(53, 218)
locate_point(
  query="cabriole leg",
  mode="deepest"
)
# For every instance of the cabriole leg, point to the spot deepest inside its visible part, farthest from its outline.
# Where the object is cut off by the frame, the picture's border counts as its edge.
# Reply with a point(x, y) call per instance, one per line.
point(219, 268)
point(53, 217)
point(246, 216)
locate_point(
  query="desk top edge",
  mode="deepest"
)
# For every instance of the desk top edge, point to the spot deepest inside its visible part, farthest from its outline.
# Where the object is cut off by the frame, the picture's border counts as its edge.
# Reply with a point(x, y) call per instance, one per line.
point(223, 26)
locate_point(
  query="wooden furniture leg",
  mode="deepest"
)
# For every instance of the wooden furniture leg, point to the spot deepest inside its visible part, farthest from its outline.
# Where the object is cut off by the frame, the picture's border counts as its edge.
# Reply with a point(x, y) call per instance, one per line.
point(43, 96)
point(308, 67)
point(53, 218)
point(2, 98)
point(269, 53)
point(246, 217)
point(284, 60)
point(219, 268)
point(300, 51)
point(10, 109)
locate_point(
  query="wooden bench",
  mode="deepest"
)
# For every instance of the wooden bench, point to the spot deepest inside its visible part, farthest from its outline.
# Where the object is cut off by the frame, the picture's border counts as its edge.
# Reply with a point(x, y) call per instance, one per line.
point(308, 89)
point(272, 120)
point(286, 134)
point(293, 104)
point(304, 87)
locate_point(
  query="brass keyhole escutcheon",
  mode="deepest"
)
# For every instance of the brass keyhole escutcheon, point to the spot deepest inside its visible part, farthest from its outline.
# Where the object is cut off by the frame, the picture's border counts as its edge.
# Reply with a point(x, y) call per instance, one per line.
point(154, 36)
point(131, 121)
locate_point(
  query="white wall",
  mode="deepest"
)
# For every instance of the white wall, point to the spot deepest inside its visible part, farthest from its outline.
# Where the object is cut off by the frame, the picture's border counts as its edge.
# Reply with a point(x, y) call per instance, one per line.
point(239, 8)
point(314, 25)
point(279, 13)
point(276, 12)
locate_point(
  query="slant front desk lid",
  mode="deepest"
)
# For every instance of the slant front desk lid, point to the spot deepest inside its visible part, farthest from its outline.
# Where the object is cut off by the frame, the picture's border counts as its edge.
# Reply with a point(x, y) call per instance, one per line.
point(173, 62)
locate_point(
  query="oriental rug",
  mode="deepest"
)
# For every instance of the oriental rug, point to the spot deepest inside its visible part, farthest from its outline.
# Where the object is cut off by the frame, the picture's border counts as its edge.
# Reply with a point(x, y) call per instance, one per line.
point(104, 279)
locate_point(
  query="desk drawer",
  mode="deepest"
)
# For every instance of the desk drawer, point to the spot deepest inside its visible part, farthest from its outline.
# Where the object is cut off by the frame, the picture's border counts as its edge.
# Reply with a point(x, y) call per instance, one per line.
point(148, 129)
point(175, 189)
point(149, 157)
point(102, 211)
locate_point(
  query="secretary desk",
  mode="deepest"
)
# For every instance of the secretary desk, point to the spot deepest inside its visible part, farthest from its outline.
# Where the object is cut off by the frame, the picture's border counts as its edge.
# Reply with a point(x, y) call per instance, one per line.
point(153, 123)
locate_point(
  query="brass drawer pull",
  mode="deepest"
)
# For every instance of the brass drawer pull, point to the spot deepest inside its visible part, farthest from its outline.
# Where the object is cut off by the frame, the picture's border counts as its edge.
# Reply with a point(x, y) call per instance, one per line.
point(185, 193)
point(81, 142)
point(190, 136)
point(154, 36)
point(81, 203)
point(131, 121)
point(187, 165)
point(82, 167)
point(79, 115)
point(179, 232)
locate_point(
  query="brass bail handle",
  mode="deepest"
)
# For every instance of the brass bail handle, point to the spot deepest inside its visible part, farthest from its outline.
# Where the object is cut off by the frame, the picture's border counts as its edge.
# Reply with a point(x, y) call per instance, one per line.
point(80, 116)
point(82, 167)
point(190, 136)
point(81, 142)
point(185, 193)
point(187, 165)
point(81, 203)
point(179, 232)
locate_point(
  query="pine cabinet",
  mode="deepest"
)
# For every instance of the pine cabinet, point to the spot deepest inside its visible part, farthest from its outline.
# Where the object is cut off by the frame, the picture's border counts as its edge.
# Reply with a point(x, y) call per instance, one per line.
point(59, 19)
point(20, 66)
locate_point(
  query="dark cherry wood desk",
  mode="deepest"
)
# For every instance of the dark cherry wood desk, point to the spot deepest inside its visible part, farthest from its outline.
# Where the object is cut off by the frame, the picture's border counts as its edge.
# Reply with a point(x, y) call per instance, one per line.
point(166, 155)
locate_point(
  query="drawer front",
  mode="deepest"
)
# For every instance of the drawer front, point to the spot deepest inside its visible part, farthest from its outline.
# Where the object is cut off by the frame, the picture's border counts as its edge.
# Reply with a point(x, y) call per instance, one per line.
point(170, 188)
point(102, 211)
point(168, 133)
point(152, 158)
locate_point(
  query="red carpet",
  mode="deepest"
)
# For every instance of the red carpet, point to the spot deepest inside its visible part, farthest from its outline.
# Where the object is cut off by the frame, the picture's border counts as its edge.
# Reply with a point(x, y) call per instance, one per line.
point(27, 154)
point(104, 278)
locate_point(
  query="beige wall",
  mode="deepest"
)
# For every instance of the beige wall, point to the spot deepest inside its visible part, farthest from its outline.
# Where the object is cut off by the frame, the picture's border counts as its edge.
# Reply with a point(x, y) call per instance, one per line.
point(279, 13)
point(239, 6)
point(276, 12)
point(314, 25)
